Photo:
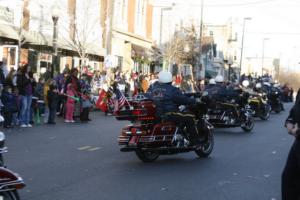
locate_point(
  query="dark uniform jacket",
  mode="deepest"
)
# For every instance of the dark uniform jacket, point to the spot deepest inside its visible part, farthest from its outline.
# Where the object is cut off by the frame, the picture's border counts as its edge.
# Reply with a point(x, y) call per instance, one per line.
point(167, 98)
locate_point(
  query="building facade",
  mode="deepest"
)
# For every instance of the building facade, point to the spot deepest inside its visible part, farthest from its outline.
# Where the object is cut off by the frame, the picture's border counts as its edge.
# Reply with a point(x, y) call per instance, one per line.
point(131, 34)
point(28, 30)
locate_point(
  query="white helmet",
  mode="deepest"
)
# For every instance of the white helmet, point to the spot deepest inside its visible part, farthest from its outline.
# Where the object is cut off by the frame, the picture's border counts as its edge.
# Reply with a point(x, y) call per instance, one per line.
point(165, 77)
point(267, 84)
point(219, 79)
point(277, 85)
point(258, 85)
point(212, 81)
point(245, 83)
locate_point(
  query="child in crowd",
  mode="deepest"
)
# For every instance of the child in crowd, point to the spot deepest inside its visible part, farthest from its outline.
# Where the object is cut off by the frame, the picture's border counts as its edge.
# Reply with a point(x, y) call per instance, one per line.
point(52, 97)
point(70, 104)
point(86, 106)
point(10, 106)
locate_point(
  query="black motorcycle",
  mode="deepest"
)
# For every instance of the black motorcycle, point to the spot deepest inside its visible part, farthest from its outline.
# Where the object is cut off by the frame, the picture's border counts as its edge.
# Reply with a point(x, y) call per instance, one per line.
point(274, 100)
point(231, 113)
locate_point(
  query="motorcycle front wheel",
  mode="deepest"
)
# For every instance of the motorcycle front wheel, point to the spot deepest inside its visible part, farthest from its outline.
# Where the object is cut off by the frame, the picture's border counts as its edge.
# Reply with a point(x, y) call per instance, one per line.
point(248, 124)
point(205, 149)
point(9, 195)
point(147, 156)
point(265, 115)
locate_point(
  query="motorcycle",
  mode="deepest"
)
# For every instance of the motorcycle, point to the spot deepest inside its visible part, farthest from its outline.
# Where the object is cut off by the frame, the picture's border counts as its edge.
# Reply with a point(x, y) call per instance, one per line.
point(10, 181)
point(275, 101)
point(230, 113)
point(149, 137)
point(259, 105)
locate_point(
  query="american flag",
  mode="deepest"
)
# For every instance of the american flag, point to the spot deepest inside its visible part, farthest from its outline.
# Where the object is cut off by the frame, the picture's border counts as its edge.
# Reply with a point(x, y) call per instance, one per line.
point(120, 100)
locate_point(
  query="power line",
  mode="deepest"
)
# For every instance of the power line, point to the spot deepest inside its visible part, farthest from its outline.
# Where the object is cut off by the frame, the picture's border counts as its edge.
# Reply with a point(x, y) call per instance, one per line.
point(256, 2)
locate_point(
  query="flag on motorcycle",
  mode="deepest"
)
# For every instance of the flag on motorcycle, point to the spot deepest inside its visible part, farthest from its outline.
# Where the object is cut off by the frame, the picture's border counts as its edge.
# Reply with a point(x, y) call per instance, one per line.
point(120, 100)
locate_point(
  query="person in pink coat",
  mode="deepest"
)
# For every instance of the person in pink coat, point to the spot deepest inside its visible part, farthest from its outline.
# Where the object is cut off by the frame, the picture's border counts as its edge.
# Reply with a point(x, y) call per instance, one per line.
point(70, 104)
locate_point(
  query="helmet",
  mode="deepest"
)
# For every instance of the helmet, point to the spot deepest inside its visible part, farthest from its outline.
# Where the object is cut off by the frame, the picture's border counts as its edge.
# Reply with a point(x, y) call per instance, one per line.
point(219, 79)
point(258, 85)
point(165, 77)
point(212, 81)
point(267, 84)
point(245, 83)
point(277, 85)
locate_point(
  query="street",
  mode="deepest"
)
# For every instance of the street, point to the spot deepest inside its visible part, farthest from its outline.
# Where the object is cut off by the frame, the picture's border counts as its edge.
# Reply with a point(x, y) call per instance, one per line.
point(83, 161)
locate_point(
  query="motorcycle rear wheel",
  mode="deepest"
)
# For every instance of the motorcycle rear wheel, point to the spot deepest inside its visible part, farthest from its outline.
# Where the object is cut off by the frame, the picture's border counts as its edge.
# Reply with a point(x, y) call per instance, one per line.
point(277, 110)
point(10, 195)
point(205, 149)
point(147, 156)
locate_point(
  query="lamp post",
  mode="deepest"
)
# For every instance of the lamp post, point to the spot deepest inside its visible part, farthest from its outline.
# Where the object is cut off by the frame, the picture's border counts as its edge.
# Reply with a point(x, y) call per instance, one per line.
point(242, 48)
point(55, 16)
point(263, 55)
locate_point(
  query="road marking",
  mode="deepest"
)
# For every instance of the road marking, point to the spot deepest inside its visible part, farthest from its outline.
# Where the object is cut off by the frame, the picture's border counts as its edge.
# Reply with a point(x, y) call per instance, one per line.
point(84, 148)
point(94, 149)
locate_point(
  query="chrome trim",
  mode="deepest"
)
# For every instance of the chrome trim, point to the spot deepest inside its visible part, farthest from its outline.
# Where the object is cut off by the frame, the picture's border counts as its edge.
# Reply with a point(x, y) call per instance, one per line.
point(3, 150)
point(11, 183)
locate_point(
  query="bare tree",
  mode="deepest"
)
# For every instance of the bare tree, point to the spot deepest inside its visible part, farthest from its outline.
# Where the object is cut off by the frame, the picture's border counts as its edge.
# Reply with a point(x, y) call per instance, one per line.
point(82, 29)
point(182, 48)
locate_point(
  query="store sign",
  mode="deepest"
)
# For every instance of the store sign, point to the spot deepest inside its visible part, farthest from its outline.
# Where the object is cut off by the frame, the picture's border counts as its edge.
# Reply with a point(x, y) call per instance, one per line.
point(6, 15)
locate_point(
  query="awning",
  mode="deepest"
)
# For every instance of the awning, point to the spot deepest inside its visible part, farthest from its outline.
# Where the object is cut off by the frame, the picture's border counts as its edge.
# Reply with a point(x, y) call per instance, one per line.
point(8, 31)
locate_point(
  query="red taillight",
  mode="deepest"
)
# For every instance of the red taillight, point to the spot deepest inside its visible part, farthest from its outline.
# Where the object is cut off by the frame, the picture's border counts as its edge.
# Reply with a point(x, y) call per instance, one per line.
point(146, 118)
point(137, 112)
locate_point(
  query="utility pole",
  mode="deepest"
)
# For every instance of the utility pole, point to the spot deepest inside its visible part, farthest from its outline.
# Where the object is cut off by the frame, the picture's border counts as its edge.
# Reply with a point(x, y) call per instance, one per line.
point(263, 56)
point(200, 41)
point(242, 48)
point(109, 25)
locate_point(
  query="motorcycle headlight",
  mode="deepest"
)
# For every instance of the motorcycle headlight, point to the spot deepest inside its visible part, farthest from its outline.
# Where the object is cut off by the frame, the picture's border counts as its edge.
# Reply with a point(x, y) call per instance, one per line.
point(2, 140)
point(2, 136)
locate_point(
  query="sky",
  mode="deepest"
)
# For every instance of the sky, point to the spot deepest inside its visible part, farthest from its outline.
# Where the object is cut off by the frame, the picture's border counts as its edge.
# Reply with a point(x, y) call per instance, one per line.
point(276, 20)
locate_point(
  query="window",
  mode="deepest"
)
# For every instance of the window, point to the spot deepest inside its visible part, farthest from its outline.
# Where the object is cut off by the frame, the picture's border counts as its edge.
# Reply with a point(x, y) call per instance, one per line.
point(120, 16)
point(140, 18)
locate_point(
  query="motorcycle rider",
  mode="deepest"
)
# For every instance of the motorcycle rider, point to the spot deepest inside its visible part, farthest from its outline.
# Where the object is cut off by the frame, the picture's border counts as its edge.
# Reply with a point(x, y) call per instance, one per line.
point(167, 98)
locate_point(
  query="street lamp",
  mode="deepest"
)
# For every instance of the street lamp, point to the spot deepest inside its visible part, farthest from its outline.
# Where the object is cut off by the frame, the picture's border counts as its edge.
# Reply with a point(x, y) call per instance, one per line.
point(161, 20)
point(55, 16)
point(242, 48)
point(263, 56)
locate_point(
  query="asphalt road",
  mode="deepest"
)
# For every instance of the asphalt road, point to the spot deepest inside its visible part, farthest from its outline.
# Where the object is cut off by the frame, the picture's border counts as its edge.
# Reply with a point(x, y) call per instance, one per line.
point(83, 162)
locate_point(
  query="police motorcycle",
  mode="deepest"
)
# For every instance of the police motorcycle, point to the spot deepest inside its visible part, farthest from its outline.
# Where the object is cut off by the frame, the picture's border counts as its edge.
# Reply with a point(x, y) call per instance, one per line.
point(149, 136)
point(10, 182)
point(258, 102)
point(274, 97)
point(231, 112)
